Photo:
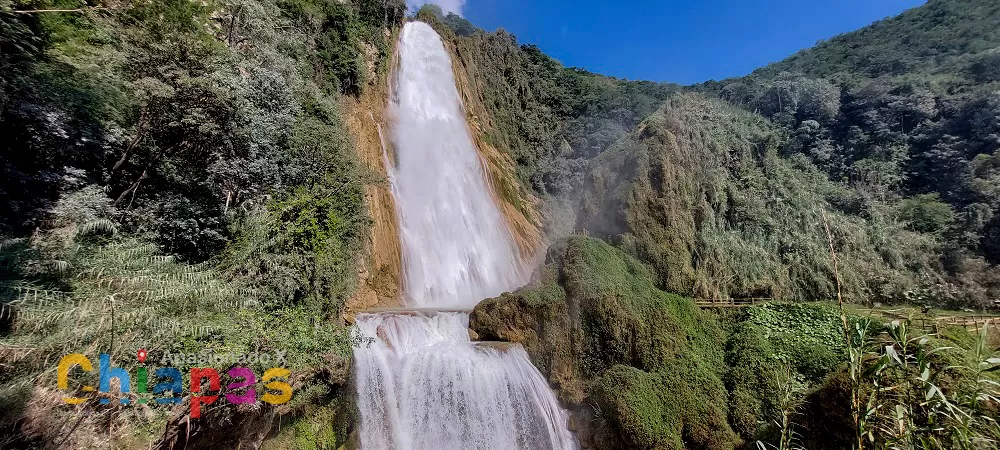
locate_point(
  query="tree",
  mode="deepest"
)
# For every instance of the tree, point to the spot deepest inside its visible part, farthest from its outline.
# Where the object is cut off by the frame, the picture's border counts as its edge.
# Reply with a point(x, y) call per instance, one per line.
point(926, 213)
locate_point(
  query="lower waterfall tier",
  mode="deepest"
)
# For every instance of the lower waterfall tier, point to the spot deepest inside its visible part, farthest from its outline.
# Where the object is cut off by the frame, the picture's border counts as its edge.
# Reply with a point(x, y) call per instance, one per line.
point(423, 384)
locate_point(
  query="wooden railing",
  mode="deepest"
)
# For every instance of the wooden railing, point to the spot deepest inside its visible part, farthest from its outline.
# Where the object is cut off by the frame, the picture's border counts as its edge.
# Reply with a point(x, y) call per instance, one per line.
point(730, 302)
point(972, 322)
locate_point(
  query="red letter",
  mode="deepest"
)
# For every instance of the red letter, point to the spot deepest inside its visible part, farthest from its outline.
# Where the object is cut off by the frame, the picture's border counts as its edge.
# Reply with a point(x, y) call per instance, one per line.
point(213, 384)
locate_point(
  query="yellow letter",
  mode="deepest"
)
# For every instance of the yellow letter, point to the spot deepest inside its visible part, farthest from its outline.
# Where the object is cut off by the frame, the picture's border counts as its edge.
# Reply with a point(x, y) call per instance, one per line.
point(285, 388)
point(73, 359)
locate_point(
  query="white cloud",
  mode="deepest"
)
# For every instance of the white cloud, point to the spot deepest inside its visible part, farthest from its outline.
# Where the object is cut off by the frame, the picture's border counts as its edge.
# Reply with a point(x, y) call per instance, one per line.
point(448, 6)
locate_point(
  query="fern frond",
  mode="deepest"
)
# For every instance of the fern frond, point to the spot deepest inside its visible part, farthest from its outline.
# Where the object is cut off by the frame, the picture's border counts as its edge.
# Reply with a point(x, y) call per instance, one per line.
point(104, 226)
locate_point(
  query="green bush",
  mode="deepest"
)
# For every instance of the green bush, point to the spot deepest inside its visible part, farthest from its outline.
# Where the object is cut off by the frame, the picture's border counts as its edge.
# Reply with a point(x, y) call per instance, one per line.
point(769, 344)
point(188, 184)
point(926, 213)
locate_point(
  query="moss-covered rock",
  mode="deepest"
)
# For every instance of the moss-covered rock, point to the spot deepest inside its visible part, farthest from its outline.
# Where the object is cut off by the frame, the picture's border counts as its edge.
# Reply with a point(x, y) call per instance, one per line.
point(649, 363)
point(824, 420)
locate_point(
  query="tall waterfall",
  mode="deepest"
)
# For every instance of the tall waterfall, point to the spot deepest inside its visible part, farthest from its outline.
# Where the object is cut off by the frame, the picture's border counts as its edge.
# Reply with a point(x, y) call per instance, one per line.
point(457, 249)
point(422, 383)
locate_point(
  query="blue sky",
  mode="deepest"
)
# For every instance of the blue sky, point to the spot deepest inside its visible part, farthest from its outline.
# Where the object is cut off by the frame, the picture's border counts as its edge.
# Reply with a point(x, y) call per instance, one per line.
point(668, 40)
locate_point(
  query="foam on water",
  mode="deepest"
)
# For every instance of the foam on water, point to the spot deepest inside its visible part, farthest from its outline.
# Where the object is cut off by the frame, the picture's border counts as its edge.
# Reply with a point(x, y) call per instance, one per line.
point(422, 384)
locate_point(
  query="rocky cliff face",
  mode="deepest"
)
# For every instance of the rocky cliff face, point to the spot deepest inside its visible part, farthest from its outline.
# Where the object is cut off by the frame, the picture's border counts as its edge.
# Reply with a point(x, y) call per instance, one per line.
point(515, 201)
point(379, 277)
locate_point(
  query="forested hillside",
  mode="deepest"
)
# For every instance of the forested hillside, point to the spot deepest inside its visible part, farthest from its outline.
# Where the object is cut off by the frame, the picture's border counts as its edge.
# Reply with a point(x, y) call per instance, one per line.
point(861, 168)
point(905, 111)
point(182, 169)
point(700, 193)
point(891, 129)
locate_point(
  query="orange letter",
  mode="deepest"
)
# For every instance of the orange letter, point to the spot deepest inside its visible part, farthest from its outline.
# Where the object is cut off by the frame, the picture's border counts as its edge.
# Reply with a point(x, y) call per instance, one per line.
point(62, 376)
point(285, 388)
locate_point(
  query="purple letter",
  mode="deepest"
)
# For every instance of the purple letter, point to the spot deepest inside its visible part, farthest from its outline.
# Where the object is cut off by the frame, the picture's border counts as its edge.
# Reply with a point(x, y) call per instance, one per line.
point(248, 380)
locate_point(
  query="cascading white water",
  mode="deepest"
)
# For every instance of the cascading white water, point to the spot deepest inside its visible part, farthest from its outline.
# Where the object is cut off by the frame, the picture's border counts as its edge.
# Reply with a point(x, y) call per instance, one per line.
point(422, 383)
point(457, 249)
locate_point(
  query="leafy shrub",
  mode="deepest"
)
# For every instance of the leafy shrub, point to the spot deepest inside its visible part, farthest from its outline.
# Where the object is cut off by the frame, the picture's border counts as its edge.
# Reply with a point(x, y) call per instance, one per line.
point(925, 213)
point(765, 341)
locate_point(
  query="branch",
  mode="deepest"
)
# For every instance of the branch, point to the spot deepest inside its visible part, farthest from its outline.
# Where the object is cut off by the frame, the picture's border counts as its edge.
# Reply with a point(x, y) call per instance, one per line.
point(836, 275)
point(855, 394)
point(135, 142)
point(132, 189)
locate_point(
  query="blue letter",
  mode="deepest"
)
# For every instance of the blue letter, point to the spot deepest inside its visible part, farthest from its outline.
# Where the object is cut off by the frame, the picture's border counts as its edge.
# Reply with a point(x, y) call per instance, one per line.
point(107, 373)
point(174, 386)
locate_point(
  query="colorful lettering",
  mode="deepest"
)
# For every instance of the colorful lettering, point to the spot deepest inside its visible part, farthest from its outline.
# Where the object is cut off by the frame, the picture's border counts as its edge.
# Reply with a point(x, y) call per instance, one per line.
point(169, 382)
point(174, 386)
point(107, 373)
point(213, 384)
point(285, 388)
point(249, 379)
point(62, 382)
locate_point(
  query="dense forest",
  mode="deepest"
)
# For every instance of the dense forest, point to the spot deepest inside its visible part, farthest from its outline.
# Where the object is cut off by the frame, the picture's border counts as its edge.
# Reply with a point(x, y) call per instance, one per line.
point(182, 169)
point(890, 131)
point(904, 113)
point(179, 176)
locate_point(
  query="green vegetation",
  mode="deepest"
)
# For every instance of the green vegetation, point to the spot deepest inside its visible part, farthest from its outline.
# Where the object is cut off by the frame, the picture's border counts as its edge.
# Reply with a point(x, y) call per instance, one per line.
point(649, 362)
point(772, 348)
point(700, 192)
point(878, 147)
point(641, 368)
point(888, 131)
point(178, 177)
point(914, 390)
point(903, 111)
point(316, 429)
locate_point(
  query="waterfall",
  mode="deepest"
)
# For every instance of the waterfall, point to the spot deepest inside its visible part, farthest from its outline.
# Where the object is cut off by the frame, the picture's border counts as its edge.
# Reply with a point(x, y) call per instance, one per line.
point(422, 383)
point(457, 249)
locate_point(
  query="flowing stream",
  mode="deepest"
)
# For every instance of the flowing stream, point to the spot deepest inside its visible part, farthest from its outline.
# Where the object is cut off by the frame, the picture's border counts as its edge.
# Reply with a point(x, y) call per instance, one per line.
point(422, 383)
